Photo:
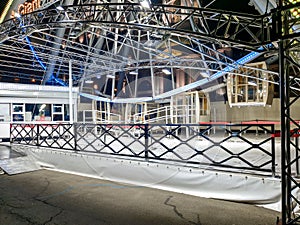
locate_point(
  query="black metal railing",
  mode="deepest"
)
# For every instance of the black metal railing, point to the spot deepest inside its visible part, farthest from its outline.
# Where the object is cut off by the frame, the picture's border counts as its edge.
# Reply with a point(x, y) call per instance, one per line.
point(247, 147)
point(59, 136)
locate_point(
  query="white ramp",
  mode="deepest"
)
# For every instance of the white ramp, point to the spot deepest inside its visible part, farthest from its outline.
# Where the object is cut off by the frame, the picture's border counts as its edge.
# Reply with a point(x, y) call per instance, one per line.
point(194, 181)
point(13, 162)
point(18, 165)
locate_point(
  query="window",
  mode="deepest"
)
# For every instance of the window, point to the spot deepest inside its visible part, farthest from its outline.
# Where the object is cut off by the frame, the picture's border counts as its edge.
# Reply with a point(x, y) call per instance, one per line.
point(58, 112)
point(247, 87)
point(4, 113)
point(67, 113)
point(18, 112)
point(38, 112)
point(203, 104)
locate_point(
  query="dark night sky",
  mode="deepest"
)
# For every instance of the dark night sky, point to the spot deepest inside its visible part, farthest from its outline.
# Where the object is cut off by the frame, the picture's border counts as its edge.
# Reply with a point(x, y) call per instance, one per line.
point(2, 5)
point(232, 5)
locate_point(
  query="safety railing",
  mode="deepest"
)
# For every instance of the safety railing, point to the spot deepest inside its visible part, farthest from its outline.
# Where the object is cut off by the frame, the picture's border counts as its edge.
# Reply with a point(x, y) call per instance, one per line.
point(96, 116)
point(168, 114)
point(235, 147)
point(60, 136)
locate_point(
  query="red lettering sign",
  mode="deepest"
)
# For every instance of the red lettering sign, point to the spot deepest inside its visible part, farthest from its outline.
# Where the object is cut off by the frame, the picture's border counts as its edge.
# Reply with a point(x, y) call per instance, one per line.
point(27, 7)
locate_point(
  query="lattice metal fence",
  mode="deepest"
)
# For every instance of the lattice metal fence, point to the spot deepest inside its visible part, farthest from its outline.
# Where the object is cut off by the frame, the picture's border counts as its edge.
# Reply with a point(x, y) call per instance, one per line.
point(238, 146)
point(59, 136)
point(123, 140)
point(246, 147)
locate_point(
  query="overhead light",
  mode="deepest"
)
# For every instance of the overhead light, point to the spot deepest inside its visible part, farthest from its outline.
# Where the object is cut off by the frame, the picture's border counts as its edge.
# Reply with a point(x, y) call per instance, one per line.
point(111, 76)
point(293, 1)
point(81, 38)
point(60, 8)
point(252, 83)
point(78, 27)
point(145, 4)
point(89, 81)
point(204, 74)
point(17, 15)
point(72, 35)
point(166, 71)
point(295, 12)
point(133, 72)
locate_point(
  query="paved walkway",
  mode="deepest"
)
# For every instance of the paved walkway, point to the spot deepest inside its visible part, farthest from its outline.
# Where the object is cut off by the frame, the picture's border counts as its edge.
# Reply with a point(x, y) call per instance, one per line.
point(48, 197)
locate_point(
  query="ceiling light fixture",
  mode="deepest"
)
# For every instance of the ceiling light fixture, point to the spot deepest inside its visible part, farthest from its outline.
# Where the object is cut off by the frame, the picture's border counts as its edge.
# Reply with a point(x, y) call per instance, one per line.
point(17, 15)
point(133, 72)
point(89, 81)
point(60, 8)
point(166, 71)
point(145, 4)
point(252, 83)
point(72, 35)
point(111, 76)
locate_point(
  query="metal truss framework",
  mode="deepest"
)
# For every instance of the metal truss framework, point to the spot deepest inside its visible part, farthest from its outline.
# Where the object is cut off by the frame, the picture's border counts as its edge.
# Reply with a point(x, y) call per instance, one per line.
point(104, 40)
point(123, 37)
point(288, 36)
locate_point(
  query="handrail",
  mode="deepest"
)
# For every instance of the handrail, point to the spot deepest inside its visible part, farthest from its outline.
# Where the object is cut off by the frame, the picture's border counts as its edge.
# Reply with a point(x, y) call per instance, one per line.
point(96, 116)
point(152, 116)
point(190, 144)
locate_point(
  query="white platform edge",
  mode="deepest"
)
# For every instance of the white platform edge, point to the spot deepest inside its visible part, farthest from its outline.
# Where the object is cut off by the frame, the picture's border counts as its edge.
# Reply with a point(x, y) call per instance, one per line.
point(265, 191)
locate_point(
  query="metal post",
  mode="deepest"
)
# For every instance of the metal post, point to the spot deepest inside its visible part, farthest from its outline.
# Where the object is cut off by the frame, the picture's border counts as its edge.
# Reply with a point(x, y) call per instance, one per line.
point(297, 153)
point(32, 134)
point(151, 69)
point(71, 119)
point(10, 137)
point(38, 135)
point(283, 129)
point(146, 130)
point(282, 81)
point(108, 113)
point(288, 147)
point(197, 105)
point(75, 126)
point(273, 148)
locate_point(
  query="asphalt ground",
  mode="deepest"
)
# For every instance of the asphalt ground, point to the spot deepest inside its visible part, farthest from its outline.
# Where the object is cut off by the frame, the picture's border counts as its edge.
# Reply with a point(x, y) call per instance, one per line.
point(52, 198)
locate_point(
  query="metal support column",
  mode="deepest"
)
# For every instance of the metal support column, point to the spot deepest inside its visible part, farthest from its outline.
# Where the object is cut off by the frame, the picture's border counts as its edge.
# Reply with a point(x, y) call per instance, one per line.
point(289, 94)
point(71, 117)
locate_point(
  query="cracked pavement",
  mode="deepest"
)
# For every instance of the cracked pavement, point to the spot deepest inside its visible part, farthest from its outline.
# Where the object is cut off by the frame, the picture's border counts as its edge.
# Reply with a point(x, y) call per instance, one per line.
point(52, 198)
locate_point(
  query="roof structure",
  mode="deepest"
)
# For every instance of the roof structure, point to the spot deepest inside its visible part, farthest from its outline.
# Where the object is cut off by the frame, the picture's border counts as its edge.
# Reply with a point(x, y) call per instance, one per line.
point(112, 44)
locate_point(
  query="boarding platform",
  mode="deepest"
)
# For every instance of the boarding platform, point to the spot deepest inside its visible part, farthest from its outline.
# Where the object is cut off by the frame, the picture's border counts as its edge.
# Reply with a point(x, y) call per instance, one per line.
point(236, 162)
